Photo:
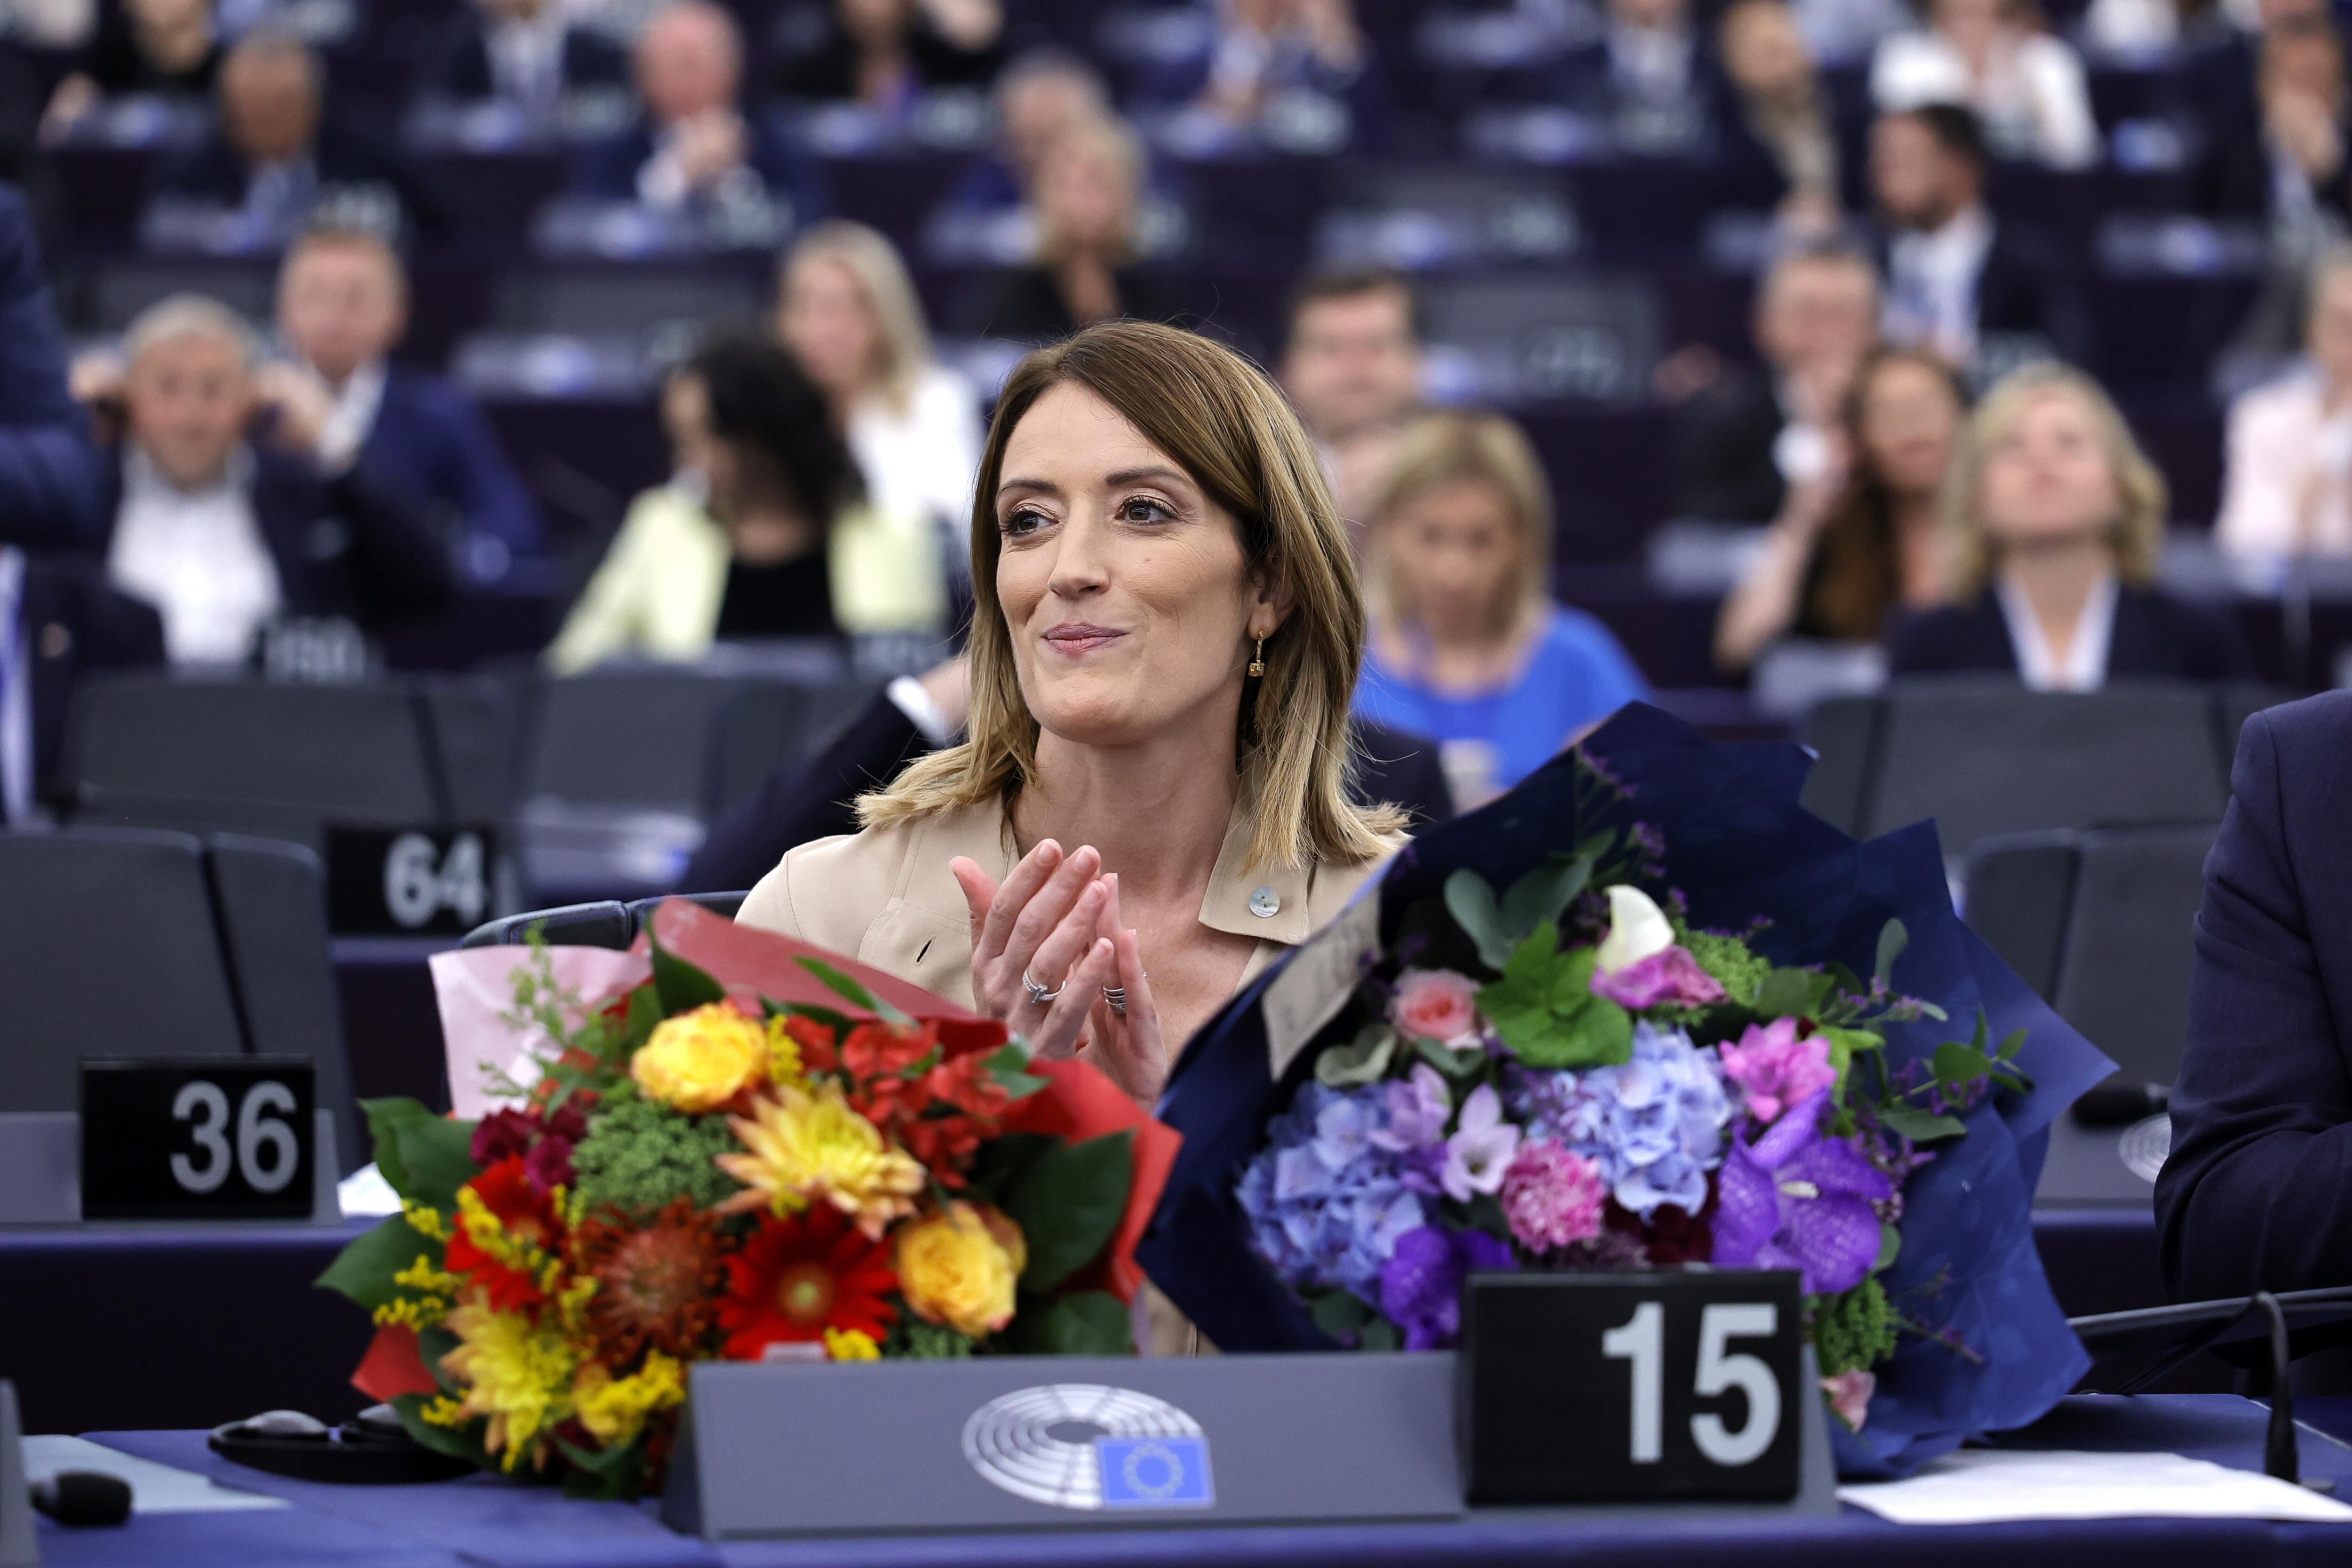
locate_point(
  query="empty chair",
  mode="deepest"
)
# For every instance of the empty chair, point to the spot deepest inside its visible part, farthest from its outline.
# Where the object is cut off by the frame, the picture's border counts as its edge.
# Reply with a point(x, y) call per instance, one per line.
point(605, 923)
point(762, 729)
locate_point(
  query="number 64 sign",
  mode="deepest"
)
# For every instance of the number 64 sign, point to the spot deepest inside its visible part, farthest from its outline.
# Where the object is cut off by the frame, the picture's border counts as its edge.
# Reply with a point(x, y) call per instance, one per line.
point(1626, 1387)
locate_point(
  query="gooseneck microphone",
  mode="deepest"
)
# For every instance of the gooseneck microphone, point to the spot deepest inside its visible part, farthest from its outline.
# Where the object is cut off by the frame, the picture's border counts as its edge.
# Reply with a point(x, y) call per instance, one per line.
point(83, 1497)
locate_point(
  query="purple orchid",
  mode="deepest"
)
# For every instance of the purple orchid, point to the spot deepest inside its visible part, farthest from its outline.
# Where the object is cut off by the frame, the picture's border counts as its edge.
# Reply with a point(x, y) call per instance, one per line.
point(1795, 1199)
point(1669, 976)
point(1479, 1152)
point(1420, 1288)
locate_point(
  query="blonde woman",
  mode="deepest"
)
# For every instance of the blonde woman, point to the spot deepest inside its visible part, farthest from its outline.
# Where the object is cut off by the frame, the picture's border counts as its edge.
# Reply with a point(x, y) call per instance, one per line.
point(847, 311)
point(1468, 645)
point(1152, 805)
point(1086, 193)
point(2055, 522)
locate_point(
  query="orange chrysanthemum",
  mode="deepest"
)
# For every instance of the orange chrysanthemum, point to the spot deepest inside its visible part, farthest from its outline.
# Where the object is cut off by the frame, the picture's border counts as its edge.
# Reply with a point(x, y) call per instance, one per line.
point(655, 1282)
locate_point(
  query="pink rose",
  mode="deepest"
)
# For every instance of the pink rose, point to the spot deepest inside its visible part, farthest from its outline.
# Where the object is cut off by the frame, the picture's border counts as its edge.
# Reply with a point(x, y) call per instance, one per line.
point(1850, 1394)
point(1669, 975)
point(1435, 1005)
point(1774, 1069)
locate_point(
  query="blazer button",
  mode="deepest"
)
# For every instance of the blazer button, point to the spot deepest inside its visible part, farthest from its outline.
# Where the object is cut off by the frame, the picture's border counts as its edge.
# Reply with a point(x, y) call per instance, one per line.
point(1264, 904)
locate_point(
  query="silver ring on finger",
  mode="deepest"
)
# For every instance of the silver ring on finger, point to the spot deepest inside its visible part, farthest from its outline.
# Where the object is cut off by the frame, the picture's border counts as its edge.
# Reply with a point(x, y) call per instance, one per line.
point(1037, 993)
point(1115, 995)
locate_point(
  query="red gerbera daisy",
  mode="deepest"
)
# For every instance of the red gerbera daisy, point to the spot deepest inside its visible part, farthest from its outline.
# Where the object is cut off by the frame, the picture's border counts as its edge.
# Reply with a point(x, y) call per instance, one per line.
point(655, 1282)
point(525, 1213)
point(798, 1277)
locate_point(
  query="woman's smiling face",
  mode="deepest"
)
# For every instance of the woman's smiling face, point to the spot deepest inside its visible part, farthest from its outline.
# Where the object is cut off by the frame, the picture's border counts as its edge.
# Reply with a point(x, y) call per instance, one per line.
point(1125, 593)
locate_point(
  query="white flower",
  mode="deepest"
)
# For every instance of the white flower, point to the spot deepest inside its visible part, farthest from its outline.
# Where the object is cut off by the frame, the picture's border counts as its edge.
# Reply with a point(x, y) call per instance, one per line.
point(1481, 1148)
point(1638, 928)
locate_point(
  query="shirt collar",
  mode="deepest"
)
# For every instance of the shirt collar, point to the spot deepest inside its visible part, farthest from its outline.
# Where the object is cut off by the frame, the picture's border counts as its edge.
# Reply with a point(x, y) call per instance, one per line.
point(144, 479)
point(2080, 667)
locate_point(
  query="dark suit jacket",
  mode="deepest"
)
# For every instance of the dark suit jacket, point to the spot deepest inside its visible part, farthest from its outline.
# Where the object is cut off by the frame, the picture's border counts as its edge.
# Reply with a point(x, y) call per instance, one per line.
point(345, 154)
point(357, 545)
point(49, 474)
point(2229, 165)
point(462, 68)
point(2257, 1191)
point(2156, 637)
point(827, 72)
point(1723, 439)
point(609, 168)
point(430, 437)
point(75, 623)
point(1026, 304)
point(797, 805)
point(2025, 288)
point(1583, 81)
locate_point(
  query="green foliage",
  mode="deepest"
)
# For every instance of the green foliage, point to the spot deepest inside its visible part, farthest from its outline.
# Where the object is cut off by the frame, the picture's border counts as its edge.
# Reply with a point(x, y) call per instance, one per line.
point(425, 1157)
point(604, 1475)
point(1729, 961)
point(1067, 1204)
point(1892, 937)
point(1856, 1330)
point(1002, 1161)
point(1844, 1044)
point(1362, 1060)
point(847, 988)
point(1009, 1066)
point(638, 1155)
point(1498, 926)
point(915, 1340)
point(1083, 1322)
point(363, 1271)
point(1544, 1008)
point(1919, 1124)
point(682, 986)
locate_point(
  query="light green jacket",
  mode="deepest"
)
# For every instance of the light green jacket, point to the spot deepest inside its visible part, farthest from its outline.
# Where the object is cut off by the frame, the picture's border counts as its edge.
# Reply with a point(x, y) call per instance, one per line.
point(657, 593)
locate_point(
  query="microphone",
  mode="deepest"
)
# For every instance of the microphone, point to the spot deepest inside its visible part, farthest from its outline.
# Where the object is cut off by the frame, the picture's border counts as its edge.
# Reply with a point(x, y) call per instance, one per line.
point(83, 1497)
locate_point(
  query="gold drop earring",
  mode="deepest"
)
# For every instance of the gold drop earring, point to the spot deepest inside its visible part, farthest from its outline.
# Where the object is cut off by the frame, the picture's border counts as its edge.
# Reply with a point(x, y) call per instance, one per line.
point(1257, 663)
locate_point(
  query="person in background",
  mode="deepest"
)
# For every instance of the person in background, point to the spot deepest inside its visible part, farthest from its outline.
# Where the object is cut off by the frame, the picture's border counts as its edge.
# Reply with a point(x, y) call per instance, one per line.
point(1651, 77)
point(343, 305)
point(885, 53)
point(224, 534)
point(2287, 487)
point(166, 48)
point(1263, 49)
point(1043, 93)
point(1857, 541)
point(1085, 192)
point(1778, 146)
point(848, 312)
point(2026, 87)
point(1750, 434)
point(1352, 362)
point(2156, 30)
point(50, 477)
point(692, 147)
point(527, 53)
point(1974, 289)
point(1842, 32)
point(277, 152)
point(2054, 521)
point(1467, 644)
point(766, 534)
point(2252, 1195)
point(59, 621)
point(2260, 116)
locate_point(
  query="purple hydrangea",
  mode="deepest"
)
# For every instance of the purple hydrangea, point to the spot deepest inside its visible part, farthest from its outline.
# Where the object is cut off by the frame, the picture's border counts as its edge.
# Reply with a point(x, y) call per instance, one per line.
point(1654, 1125)
point(1421, 1287)
point(1327, 1198)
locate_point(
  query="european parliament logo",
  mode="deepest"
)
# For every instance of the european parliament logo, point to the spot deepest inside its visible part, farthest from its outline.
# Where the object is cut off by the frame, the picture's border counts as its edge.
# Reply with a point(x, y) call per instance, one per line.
point(1090, 1446)
point(1155, 1472)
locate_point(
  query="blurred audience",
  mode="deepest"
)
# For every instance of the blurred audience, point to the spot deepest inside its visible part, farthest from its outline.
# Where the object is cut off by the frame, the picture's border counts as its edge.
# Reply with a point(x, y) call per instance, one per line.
point(343, 305)
point(849, 314)
point(2287, 488)
point(692, 147)
point(1265, 57)
point(1982, 292)
point(1352, 362)
point(2026, 87)
point(1842, 31)
point(1043, 93)
point(1779, 147)
point(883, 55)
point(49, 476)
point(765, 532)
point(1085, 195)
point(1857, 541)
point(1744, 439)
point(2154, 29)
point(58, 622)
point(238, 500)
point(1650, 78)
point(1467, 644)
point(527, 53)
point(2055, 522)
point(279, 155)
point(2265, 117)
point(165, 49)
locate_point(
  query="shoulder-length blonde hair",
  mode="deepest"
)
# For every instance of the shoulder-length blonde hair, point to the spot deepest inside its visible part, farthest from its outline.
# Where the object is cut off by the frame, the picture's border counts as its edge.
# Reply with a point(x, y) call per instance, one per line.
point(2136, 531)
point(906, 344)
point(1227, 427)
point(1447, 449)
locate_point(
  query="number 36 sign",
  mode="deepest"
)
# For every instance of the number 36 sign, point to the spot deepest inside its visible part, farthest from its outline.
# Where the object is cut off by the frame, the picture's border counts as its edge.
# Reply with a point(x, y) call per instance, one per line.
point(198, 1137)
point(1626, 1387)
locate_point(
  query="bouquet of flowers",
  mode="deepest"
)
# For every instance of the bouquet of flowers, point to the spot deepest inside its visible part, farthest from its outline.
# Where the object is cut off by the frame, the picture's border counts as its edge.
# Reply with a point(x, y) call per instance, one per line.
point(1643, 1013)
point(748, 1153)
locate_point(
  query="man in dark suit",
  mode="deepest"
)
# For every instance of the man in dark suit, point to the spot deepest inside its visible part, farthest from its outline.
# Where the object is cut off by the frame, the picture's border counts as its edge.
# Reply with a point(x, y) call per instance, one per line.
point(2257, 1191)
point(48, 473)
point(227, 538)
point(1745, 436)
point(2267, 116)
point(1982, 292)
point(343, 305)
point(1652, 80)
point(58, 622)
point(279, 154)
point(916, 716)
point(692, 149)
point(525, 53)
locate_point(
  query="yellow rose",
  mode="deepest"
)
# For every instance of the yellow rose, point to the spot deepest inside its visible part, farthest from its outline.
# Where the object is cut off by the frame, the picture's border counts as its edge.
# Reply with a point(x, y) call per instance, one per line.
point(697, 1060)
point(959, 1268)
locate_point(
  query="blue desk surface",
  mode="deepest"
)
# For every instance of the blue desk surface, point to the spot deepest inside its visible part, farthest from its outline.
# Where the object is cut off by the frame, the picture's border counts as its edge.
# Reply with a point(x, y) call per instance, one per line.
point(491, 1523)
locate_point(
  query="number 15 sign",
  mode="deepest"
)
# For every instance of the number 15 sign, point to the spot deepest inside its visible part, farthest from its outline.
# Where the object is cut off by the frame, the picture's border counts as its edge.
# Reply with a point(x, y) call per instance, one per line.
point(1626, 1387)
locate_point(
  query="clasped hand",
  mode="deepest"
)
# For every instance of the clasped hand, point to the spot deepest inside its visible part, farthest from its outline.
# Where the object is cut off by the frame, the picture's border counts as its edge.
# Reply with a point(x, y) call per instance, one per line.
point(1055, 924)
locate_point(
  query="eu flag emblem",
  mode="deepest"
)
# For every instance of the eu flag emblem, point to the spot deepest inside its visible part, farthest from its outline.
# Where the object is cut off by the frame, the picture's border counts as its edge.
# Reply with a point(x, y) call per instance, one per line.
point(1155, 1472)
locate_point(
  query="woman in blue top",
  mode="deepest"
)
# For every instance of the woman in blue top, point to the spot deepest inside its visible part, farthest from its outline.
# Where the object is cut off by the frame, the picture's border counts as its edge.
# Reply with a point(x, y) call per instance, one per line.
point(1467, 644)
